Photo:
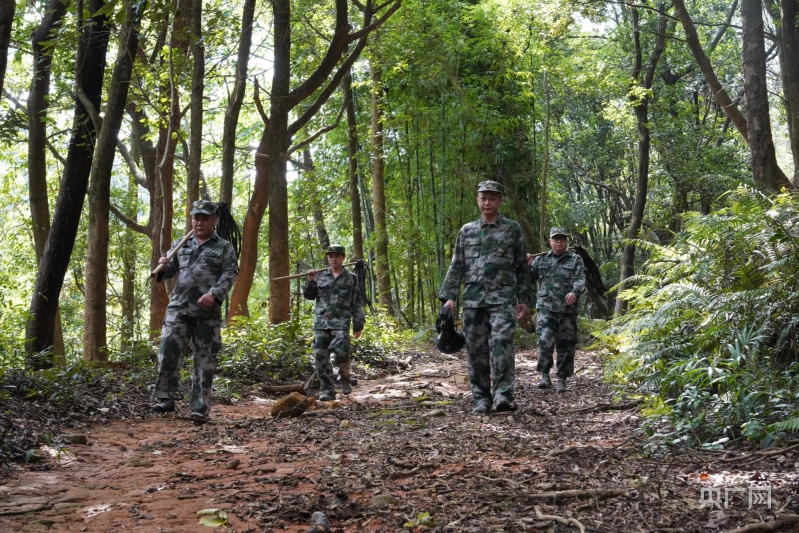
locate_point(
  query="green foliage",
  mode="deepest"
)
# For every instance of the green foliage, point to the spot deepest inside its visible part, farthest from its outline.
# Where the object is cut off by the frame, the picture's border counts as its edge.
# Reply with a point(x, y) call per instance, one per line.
point(712, 326)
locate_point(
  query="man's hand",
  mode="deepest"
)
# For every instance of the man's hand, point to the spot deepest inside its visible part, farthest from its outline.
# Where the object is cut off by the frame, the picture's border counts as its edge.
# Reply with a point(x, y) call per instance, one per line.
point(571, 299)
point(522, 310)
point(530, 258)
point(357, 334)
point(453, 307)
point(207, 300)
point(312, 275)
point(163, 260)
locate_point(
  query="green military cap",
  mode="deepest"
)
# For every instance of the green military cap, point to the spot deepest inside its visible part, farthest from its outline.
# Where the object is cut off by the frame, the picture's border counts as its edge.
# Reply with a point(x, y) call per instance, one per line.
point(558, 231)
point(335, 249)
point(491, 186)
point(206, 207)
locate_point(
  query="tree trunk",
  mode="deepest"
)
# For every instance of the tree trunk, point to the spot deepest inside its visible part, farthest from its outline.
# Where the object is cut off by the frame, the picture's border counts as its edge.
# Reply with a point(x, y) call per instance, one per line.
point(765, 170)
point(94, 323)
point(379, 191)
point(316, 204)
point(354, 175)
point(786, 24)
point(90, 67)
point(722, 98)
point(38, 106)
point(641, 106)
point(234, 104)
point(7, 9)
point(195, 155)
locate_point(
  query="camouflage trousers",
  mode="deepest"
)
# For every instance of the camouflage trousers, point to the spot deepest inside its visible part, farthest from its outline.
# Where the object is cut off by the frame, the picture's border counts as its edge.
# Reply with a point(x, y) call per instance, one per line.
point(205, 336)
point(335, 342)
point(556, 331)
point(491, 360)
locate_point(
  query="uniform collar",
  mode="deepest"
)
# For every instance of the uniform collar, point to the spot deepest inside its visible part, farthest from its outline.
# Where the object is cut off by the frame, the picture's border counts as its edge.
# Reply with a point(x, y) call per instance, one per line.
point(497, 222)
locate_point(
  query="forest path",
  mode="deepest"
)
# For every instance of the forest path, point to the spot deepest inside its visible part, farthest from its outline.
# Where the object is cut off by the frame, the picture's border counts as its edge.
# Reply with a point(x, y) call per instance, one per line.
point(401, 453)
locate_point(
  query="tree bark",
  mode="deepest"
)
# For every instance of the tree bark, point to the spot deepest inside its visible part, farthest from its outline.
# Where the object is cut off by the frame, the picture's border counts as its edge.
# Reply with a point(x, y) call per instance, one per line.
point(645, 80)
point(353, 170)
point(38, 106)
point(94, 324)
point(235, 102)
point(379, 191)
point(7, 10)
point(90, 67)
point(765, 170)
point(195, 155)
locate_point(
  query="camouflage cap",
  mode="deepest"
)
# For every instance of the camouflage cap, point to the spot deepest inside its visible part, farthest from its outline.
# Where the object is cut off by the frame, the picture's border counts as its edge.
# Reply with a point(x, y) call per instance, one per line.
point(206, 207)
point(558, 231)
point(491, 186)
point(335, 249)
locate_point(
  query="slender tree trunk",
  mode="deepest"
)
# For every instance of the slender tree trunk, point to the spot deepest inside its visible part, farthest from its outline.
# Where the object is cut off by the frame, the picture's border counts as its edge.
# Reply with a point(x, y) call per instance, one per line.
point(90, 67)
point(765, 170)
point(354, 176)
point(379, 191)
point(38, 106)
point(7, 9)
point(235, 102)
point(641, 107)
point(316, 204)
point(94, 325)
point(543, 234)
point(195, 155)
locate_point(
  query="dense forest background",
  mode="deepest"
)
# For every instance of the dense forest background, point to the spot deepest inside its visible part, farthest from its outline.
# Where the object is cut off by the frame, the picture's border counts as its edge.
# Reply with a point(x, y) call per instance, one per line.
point(663, 135)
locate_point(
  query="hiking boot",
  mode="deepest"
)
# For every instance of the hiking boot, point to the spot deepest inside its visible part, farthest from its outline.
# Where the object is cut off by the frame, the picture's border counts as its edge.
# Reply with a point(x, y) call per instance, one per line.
point(327, 396)
point(561, 385)
point(545, 382)
point(346, 386)
point(198, 416)
point(167, 405)
point(482, 407)
point(502, 404)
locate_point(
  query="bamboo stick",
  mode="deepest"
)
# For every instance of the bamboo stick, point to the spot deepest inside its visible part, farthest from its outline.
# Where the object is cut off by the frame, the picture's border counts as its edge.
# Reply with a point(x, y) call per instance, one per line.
point(301, 274)
point(171, 254)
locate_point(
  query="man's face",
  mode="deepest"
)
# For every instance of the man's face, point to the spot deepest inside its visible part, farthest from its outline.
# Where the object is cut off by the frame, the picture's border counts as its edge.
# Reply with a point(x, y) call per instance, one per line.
point(489, 203)
point(335, 260)
point(203, 225)
point(559, 243)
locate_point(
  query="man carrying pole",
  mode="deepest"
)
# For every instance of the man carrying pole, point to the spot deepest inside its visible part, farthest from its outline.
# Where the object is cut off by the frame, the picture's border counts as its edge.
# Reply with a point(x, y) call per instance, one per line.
point(338, 303)
point(206, 266)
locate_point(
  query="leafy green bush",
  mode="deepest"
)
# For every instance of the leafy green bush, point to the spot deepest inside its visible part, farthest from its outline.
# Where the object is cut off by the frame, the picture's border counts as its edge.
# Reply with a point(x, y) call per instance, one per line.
point(712, 325)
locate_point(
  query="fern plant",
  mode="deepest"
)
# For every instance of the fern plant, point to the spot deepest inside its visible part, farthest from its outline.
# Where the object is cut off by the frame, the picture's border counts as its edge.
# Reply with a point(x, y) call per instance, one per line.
point(712, 326)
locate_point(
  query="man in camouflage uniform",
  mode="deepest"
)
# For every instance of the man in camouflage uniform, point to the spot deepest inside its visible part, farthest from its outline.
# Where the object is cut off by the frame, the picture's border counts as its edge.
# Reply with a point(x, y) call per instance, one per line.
point(490, 260)
point(338, 303)
point(561, 280)
point(206, 267)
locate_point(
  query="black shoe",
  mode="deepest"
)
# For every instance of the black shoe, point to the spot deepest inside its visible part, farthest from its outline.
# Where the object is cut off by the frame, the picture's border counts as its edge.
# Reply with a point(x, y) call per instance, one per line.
point(198, 416)
point(482, 407)
point(166, 405)
point(545, 382)
point(327, 396)
point(560, 386)
point(502, 405)
point(346, 386)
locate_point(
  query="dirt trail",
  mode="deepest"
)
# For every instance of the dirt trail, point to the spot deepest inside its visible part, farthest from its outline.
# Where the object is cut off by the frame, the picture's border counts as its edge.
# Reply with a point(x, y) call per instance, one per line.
point(401, 453)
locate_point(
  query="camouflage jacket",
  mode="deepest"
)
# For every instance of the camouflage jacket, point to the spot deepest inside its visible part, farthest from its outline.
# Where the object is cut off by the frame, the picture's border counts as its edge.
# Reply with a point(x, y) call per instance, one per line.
point(338, 300)
point(557, 277)
point(491, 261)
point(210, 267)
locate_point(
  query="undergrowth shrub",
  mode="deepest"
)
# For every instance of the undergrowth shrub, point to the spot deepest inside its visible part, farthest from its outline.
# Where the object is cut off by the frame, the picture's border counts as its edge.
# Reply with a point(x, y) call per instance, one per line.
point(712, 326)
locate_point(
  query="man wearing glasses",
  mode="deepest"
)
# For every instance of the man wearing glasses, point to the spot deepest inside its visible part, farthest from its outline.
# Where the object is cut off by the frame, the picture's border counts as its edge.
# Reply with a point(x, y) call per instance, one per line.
point(490, 259)
point(561, 280)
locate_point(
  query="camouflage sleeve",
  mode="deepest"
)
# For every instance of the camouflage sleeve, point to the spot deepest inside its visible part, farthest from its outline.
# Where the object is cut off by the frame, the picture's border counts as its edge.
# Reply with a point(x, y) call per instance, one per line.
point(358, 318)
point(311, 290)
point(450, 287)
point(523, 292)
point(578, 287)
point(172, 267)
point(230, 269)
point(534, 270)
